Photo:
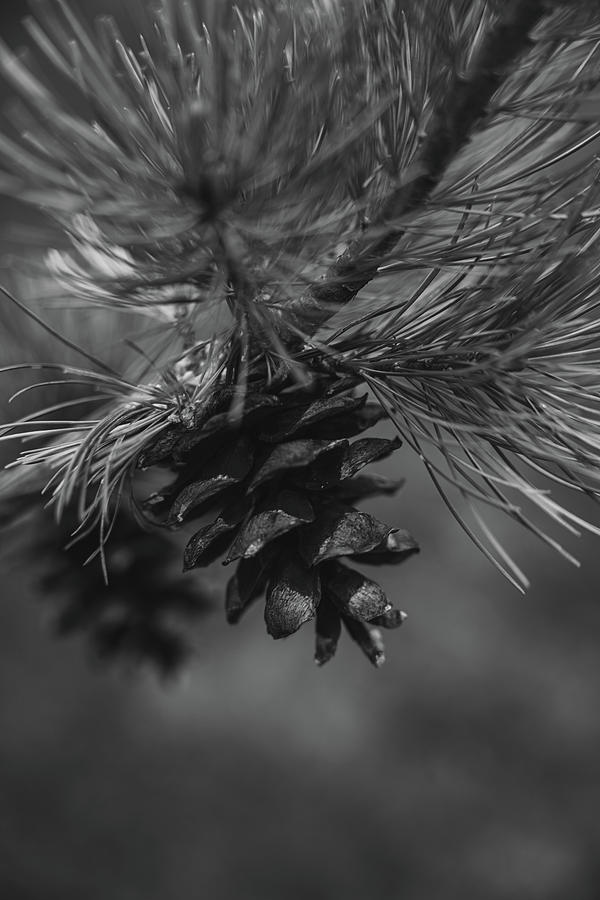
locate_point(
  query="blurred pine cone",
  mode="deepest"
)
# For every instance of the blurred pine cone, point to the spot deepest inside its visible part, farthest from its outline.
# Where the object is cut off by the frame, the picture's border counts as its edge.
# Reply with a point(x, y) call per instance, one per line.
point(142, 615)
point(278, 485)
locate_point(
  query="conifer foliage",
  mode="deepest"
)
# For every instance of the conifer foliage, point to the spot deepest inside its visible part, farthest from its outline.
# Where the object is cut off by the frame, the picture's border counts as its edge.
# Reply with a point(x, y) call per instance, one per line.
point(327, 214)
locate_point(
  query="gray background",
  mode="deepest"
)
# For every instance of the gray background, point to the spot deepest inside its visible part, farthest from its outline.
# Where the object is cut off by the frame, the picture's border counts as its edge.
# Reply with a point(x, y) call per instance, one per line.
point(467, 767)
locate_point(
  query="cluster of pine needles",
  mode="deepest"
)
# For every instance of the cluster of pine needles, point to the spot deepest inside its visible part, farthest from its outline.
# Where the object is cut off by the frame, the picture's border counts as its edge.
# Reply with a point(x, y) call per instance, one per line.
point(283, 198)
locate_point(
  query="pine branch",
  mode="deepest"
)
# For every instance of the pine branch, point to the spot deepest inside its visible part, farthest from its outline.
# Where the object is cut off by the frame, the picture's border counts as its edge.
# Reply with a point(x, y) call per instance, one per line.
point(452, 126)
point(209, 181)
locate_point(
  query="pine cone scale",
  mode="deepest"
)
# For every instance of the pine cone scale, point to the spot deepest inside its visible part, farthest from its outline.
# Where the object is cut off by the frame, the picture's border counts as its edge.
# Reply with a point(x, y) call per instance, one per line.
point(292, 597)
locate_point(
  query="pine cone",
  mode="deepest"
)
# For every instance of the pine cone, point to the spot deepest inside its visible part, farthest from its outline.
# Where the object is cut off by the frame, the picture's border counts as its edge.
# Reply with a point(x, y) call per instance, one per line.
point(139, 615)
point(282, 480)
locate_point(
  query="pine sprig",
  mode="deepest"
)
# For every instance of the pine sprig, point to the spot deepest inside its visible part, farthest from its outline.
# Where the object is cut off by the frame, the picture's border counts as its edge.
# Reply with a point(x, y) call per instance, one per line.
point(447, 121)
point(304, 199)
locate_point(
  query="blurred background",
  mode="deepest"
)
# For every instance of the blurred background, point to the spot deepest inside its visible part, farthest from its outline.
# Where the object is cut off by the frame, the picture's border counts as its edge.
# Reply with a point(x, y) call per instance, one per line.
point(469, 766)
